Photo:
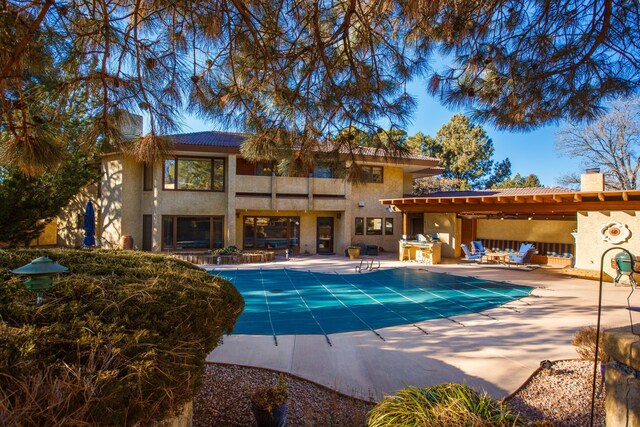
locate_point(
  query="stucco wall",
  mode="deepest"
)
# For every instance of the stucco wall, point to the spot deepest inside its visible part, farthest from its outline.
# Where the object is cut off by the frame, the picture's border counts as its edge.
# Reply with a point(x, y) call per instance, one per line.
point(121, 209)
point(531, 231)
point(370, 194)
point(49, 235)
point(590, 245)
point(69, 235)
point(449, 230)
point(112, 201)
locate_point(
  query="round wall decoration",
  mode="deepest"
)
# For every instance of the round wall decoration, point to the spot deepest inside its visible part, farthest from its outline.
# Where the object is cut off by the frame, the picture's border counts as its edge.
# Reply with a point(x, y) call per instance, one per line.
point(614, 232)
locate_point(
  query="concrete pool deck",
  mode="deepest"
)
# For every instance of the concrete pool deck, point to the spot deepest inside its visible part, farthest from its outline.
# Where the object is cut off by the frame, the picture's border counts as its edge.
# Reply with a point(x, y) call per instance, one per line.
point(495, 350)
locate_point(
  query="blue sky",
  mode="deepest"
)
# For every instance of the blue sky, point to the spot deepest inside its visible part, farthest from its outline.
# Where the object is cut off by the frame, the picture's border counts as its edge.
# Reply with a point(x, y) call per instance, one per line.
point(529, 152)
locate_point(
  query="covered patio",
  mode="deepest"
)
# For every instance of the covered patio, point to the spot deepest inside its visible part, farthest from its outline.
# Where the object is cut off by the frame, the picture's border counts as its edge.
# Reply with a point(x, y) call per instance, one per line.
point(557, 220)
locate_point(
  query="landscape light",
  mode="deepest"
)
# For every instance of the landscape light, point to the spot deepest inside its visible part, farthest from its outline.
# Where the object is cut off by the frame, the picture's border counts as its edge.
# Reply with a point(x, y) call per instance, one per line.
point(39, 274)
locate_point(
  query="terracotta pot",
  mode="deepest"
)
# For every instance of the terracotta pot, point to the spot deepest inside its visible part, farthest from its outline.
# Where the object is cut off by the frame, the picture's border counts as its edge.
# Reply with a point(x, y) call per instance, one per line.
point(354, 253)
point(126, 242)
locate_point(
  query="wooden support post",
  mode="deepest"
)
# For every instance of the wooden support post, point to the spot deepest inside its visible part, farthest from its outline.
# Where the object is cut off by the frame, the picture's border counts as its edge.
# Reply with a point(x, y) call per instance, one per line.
point(404, 223)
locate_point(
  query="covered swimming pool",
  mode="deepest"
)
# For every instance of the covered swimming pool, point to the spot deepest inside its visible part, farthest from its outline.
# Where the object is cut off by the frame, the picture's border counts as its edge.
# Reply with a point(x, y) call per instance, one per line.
point(286, 301)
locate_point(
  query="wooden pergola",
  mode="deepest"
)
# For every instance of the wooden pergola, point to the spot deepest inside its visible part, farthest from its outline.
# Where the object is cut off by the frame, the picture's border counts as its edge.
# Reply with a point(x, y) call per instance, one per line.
point(533, 203)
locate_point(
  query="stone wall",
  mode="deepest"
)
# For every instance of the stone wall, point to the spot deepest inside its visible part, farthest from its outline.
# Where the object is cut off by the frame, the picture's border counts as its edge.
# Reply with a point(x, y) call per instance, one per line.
point(622, 377)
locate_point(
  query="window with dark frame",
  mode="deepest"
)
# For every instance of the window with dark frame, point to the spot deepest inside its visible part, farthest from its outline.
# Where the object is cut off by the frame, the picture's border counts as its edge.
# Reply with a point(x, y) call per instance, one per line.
point(373, 174)
point(374, 226)
point(359, 228)
point(266, 232)
point(192, 232)
point(147, 232)
point(148, 177)
point(388, 226)
point(194, 174)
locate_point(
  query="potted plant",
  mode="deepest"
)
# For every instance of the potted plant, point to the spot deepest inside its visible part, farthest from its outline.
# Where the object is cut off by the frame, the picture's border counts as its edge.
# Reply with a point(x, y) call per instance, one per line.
point(269, 404)
point(353, 251)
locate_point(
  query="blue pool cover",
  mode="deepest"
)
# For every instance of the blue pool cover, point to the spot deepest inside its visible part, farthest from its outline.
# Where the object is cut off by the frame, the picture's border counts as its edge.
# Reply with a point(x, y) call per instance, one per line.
point(283, 301)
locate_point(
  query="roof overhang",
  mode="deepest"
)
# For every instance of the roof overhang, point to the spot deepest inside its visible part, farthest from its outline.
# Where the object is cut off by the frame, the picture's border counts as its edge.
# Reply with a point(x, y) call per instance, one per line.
point(548, 203)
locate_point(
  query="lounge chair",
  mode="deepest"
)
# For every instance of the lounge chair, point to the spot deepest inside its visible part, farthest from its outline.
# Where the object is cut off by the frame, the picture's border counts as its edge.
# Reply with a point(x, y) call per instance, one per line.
point(524, 254)
point(477, 247)
point(468, 255)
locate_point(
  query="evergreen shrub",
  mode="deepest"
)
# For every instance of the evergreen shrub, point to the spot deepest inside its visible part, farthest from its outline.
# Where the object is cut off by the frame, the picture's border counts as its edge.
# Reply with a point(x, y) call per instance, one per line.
point(120, 340)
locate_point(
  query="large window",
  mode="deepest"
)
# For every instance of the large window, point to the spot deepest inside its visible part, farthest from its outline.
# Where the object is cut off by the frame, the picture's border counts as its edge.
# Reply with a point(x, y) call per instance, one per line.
point(271, 232)
point(196, 174)
point(192, 232)
point(374, 226)
point(373, 173)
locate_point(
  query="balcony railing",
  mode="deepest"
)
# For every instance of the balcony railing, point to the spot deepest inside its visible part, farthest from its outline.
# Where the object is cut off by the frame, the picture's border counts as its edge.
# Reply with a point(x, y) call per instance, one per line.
point(284, 185)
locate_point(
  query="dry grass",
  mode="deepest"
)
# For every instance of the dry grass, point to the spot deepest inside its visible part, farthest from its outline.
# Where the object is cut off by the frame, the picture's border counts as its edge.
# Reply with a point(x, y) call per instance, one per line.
point(584, 341)
point(452, 405)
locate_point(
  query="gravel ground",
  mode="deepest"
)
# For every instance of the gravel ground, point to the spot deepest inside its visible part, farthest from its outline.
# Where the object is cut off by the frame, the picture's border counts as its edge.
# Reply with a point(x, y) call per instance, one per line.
point(222, 400)
point(561, 396)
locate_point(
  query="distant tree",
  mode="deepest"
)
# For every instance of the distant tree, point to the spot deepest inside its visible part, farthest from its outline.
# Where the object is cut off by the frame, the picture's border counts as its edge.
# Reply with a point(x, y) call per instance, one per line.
point(501, 172)
point(293, 73)
point(29, 200)
point(518, 181)
point(570, 180)
point(416, 143)
point(611, 143)
point(434, 184)
point(465, 151)
point(28, 203)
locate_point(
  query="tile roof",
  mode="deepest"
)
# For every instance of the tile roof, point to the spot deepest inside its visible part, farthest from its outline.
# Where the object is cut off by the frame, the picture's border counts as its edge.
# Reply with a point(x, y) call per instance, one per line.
point(235, 139)
point(210, 138)
point(379, 152)
point(527, 191)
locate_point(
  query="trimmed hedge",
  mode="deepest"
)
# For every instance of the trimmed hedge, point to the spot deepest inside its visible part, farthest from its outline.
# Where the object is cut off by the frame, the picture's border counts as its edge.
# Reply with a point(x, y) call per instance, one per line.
point(120, 340)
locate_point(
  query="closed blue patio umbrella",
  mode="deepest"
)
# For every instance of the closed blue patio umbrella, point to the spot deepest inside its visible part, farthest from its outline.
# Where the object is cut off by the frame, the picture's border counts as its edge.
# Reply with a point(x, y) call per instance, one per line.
point(89, 226)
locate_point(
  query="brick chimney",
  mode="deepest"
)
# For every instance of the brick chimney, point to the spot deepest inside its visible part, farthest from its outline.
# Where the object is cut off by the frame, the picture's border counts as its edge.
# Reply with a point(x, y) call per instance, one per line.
point(592, 180)
point(130, 124)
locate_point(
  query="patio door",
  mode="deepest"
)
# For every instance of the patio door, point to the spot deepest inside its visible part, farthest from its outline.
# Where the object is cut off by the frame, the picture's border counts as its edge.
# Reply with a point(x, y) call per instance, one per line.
point(324, 235)
point(468, 228)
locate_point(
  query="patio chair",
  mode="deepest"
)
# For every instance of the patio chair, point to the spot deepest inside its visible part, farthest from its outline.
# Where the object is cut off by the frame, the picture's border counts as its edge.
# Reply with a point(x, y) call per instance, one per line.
point(524, 254)
point(468, 255)
point(477, 247)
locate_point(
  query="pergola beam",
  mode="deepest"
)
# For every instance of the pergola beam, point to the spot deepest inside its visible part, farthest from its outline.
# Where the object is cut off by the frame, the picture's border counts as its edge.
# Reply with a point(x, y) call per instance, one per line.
point(526, 208)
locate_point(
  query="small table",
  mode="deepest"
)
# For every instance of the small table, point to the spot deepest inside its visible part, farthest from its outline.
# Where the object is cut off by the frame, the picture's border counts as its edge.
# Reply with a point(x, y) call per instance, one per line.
point(495, 258)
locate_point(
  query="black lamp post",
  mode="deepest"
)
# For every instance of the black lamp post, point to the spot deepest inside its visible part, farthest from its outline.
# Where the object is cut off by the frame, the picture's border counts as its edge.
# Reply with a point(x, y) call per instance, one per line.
point(39, 274)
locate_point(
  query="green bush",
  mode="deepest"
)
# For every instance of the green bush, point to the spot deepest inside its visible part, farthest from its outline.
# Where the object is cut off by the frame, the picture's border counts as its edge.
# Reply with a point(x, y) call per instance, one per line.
point(229, 250)
point(120, 340)
point(451, 405)
point(267, 396)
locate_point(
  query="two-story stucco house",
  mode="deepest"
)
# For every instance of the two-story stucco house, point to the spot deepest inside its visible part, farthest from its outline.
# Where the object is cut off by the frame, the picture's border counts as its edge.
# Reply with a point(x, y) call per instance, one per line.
point(206, 196)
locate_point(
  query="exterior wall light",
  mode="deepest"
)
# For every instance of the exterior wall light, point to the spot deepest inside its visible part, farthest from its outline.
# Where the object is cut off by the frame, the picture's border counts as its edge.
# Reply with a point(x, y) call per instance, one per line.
point(39, 274)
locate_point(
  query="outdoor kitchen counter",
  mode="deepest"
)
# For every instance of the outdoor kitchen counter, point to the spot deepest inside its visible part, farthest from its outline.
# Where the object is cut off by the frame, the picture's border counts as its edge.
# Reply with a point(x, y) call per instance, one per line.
point(426, 252)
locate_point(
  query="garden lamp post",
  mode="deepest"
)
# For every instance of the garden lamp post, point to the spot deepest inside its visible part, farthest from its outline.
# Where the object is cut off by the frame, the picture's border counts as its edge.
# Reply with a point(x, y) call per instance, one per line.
point(39, 274)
